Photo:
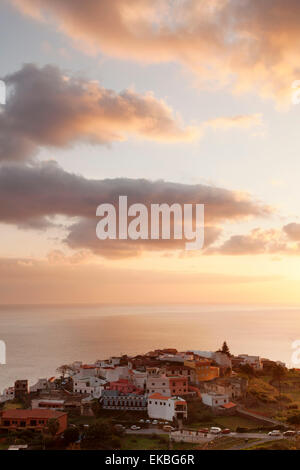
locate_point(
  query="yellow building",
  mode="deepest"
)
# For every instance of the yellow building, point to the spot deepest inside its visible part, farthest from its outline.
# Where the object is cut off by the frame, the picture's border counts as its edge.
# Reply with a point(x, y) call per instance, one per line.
point(203, 370)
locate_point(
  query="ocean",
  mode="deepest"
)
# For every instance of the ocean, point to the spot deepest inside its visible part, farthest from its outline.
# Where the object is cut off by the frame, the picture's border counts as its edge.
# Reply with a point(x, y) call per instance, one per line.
point(39, 339)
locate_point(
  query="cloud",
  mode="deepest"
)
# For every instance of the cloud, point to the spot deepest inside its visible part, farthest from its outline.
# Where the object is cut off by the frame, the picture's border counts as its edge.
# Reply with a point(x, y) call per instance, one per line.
point(245, 121)
point(258, 241)
point(251, 44)
point(48, 109)
point(35, 194)
point(293, 231)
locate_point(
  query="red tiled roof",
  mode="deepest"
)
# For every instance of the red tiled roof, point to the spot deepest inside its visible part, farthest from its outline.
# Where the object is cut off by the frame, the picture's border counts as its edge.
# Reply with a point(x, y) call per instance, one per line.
point(51, 403)
point(229, 405)
point(159, 396)
point(35, 414)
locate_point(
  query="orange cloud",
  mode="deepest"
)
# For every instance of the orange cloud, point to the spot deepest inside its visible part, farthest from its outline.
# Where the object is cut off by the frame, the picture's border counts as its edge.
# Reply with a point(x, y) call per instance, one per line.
point(252, 44)
point(50, 109)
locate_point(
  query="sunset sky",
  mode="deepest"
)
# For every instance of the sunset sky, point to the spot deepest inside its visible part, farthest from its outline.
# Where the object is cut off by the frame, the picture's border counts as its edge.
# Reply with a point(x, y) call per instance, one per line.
point(163, 101)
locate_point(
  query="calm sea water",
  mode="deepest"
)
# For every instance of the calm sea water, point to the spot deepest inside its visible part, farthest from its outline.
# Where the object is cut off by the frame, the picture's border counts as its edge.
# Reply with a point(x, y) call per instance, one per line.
point(39, 339)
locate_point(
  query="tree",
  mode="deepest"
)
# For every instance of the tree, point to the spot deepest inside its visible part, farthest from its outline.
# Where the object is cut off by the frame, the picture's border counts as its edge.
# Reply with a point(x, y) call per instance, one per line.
point(248, 370)
point(225, 349)
point(71, 435)
point(53, 426)
point(99, 436)
point(64, 369)
point(278, 373)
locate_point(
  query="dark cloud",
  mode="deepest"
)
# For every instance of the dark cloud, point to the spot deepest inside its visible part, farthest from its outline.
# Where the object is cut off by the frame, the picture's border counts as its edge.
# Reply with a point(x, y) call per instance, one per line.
point(48, 109)
point(35, 194)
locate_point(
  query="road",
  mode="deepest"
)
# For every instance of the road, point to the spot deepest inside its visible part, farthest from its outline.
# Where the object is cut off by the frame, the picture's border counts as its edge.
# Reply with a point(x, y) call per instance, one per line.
point(253, 435)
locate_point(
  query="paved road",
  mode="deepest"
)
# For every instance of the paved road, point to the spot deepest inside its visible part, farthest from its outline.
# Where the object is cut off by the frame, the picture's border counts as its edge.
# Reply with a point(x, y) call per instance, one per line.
point(146, 431)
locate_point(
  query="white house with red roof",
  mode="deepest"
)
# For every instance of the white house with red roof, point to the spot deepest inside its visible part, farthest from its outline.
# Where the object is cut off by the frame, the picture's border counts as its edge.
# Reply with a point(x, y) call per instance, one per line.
point(166, 408)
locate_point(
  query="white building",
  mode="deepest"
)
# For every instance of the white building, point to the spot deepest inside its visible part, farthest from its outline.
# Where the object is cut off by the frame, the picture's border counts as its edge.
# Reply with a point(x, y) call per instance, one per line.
point(158, 384)
point(41, 385)
point(8, 394)
point(171, 358)
point(214, 399)
point(114, 373)
point(138, 378)
point(253, 361)
point(166, 408)
point(87, 370)
point(92, 386)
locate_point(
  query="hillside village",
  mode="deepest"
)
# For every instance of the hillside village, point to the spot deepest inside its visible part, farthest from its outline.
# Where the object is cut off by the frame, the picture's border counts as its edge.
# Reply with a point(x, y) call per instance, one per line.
point(162, 398)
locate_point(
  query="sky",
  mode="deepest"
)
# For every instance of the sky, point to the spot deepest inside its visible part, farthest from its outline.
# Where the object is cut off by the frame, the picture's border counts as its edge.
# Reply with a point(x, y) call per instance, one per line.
point(164, 101)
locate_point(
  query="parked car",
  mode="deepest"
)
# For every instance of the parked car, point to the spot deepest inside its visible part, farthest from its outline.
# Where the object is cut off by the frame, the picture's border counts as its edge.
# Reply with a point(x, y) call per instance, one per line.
point(226, 431)
point(155, 421)
point(289, 433)
point(275, 432)
point(141, 421)
point(135, 428)
point(148, 421)
point(204, 430)
point(215, 430)
point(168, 428)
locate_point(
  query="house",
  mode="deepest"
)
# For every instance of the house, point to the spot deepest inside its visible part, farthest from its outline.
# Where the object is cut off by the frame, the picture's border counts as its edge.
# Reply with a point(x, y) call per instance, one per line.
point(166, 408)
point(253, 361)
point(41, 385)
point(87, 370)
point(158, 384)
point(21, 389)
point(36, 420)
point(113, 373)
point(178, 385)
point(178, 370)
point(124, 386)
point(113, 400)
point(88, 385)
point(138, 378)
point(203, 370)
point(167, 385)
point(8, 394)
point(214, 399)
point(234, 387)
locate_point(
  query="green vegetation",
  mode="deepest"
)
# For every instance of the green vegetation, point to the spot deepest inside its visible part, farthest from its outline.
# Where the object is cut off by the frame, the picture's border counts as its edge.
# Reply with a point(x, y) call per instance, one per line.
point(282, 444)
